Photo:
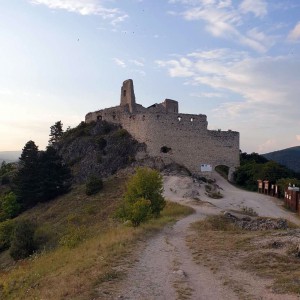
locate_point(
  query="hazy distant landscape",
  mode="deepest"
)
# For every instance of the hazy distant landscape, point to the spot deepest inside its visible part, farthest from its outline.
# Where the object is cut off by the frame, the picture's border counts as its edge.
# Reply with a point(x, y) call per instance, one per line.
point(9, 156)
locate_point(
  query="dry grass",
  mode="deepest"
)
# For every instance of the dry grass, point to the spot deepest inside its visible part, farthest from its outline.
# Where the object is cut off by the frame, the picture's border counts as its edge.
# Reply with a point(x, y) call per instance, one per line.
point(84, 246)
point(267, 254)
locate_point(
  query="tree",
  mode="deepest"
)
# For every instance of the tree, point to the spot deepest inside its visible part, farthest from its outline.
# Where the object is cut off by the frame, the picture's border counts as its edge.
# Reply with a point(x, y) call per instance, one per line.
point(143, 197)
point(56, 133)
point(54, 175)
point(273, 171)
point(42, 176)
point(9, 206)
point(26, 182)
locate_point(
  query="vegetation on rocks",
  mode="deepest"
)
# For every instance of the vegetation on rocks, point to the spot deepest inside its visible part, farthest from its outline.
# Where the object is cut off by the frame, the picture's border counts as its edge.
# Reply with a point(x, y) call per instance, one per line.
point(98, 148)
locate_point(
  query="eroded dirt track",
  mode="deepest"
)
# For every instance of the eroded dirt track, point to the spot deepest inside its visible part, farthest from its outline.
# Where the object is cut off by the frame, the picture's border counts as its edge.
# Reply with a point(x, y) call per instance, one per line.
point(165, 269)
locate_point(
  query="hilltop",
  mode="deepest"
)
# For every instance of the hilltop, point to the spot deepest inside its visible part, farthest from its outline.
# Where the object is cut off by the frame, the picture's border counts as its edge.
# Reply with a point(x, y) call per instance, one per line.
point(289, 157)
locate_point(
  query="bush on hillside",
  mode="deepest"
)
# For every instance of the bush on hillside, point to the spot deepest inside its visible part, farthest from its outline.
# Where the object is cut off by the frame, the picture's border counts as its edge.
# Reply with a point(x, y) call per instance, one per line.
point(143, 197)
point(93, 185)
point(22, 243)
point(9, 205)
point(6, 232)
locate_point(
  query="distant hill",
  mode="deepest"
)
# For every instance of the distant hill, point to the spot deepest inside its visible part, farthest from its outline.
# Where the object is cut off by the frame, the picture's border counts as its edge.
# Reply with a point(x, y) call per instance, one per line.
point(9, 156)
point(289, 157)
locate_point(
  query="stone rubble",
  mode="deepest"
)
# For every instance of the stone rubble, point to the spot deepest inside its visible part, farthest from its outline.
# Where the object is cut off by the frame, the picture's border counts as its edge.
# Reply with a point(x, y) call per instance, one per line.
point(257, 223)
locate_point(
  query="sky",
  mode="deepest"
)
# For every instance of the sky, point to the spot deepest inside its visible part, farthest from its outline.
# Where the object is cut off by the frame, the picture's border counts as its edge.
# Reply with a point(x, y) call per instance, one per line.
point(238, 62)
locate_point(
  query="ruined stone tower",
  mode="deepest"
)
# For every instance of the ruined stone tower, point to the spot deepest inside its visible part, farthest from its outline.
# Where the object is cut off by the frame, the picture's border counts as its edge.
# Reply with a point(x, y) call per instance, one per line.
point(127, 95)
point(173, 136)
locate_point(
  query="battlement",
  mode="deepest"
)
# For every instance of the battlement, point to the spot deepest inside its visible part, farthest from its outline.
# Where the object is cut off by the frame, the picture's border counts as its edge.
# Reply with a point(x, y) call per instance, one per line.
point(161, 127)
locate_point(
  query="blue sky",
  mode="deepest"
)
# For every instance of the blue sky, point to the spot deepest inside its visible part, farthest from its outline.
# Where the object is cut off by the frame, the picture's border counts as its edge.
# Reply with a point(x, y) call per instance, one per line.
point(238, 62)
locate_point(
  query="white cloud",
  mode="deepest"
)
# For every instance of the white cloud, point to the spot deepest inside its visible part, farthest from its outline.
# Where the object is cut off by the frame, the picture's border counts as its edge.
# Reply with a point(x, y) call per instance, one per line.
point(295, 33)
point(119, 62)
point(136, 62)
point(176, 68)
point(223, 20)
point(267, 146)
point(267, 87)
point(257, 7)
point(207, 95)
point(86, 7)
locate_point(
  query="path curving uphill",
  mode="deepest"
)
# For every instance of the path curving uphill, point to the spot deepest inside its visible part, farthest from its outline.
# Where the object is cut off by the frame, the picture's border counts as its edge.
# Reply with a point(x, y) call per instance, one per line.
point(165, 268)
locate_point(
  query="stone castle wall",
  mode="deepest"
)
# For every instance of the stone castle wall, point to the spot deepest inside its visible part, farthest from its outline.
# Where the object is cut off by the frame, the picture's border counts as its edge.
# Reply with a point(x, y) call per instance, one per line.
point(184, 137)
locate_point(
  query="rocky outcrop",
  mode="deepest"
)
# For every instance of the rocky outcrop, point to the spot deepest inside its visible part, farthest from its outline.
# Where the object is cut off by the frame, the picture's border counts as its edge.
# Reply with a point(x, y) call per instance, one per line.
point(98, 148)
point(256, 223)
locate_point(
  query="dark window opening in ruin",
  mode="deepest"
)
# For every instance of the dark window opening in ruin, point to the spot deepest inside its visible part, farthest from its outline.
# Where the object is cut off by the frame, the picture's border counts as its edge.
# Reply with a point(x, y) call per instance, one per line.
point(114, 116)
point(157, 116)
point(124, 93)
point(143, 118)
point(165, 149)
point(179, 118)
point(99, 118)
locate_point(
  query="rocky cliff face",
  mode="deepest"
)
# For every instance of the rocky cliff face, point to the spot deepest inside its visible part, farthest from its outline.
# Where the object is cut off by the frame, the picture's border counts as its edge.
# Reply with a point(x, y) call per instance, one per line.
point(97, 148)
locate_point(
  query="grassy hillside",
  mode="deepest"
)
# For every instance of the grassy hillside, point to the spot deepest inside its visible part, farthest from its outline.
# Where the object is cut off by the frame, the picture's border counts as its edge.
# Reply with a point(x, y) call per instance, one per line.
point(80, 246)
point(289, 157)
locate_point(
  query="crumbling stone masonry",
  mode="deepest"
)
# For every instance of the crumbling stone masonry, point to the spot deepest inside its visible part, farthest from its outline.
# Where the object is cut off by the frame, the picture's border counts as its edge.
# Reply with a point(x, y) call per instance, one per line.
point(181, 138)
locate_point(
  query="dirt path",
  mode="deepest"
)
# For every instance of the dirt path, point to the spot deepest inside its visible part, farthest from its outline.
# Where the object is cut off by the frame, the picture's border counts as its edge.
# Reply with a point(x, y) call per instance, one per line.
point(165, 268)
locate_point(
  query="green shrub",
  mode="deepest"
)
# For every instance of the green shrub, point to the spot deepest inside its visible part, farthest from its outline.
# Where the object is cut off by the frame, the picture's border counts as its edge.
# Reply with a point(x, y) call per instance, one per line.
point(73, 237)
point(6, 232)
point(143, 197)
point(22, 243)
point(139, 211)
point(10, 205)
point(148, 184)
point(93, 185)
point(121, 133)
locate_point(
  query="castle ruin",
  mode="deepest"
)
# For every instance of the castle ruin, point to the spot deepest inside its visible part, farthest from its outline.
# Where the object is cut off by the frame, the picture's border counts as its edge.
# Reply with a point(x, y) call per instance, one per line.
point(172, 136)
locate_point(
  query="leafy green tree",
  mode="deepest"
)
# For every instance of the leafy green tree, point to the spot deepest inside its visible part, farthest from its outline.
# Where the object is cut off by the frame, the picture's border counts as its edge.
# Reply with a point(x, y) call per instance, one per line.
point(10, 207)
point(143, 197)
point(22, 243)
point(6, 171)
point(56, 133)
point(254, 167)
point(26, 182)
point(272, 171)
point(139, 211)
